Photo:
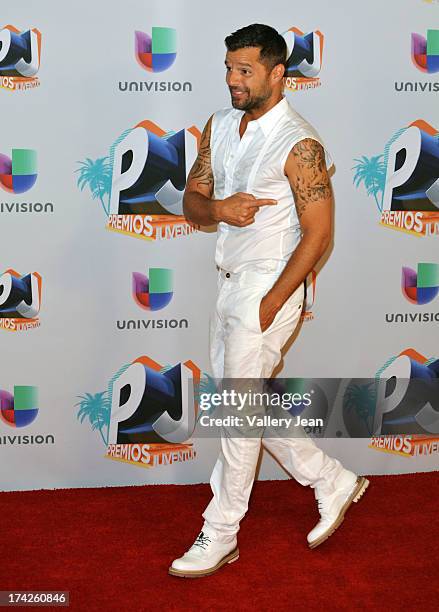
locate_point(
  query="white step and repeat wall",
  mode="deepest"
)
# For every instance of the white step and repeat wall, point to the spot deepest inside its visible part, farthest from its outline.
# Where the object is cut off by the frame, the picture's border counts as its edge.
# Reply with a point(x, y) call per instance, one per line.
point(103, 282)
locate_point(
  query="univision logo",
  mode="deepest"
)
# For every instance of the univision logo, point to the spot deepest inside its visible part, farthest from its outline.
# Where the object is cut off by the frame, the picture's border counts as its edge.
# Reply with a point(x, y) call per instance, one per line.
point(18, 174)
point(155, 292)
point(425, 57)
point(425, 51)
point(151, 293)
point(419, 287)
point(20, 410)
point(155, 53)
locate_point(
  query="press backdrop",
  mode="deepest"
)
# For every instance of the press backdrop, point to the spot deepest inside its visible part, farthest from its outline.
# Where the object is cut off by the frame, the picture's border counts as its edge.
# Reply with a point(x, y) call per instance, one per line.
point(99, 269)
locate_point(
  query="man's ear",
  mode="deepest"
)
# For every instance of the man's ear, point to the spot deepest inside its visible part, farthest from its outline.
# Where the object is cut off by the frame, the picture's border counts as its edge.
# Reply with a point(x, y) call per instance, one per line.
point(278, 72)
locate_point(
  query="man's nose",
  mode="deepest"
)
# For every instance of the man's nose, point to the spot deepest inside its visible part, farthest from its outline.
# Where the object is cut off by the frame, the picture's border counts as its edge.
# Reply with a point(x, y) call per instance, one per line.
point(232, 78)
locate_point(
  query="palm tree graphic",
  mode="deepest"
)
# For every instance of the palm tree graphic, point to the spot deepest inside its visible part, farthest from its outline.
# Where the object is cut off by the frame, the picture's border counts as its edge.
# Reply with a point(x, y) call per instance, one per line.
point(97, 408)
point(362, 400)
point(96, 175)
point(371, 172)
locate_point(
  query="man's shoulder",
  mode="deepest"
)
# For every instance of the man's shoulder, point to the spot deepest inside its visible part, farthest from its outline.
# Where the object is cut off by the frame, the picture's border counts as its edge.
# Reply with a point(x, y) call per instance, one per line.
point(296, 121)
point(298, 128)
point(226, 112)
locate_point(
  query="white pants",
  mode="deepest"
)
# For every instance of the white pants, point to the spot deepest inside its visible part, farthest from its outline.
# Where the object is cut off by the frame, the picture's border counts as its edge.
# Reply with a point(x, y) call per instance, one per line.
point(239, 349)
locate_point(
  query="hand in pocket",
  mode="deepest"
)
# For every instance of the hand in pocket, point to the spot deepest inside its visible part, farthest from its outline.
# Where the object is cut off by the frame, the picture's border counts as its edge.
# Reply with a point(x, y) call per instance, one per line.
point(267, 313)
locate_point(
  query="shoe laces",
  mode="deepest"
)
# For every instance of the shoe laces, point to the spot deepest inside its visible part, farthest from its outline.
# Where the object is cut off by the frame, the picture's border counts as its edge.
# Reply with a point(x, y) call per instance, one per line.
point(323, 504)
point(202, 540)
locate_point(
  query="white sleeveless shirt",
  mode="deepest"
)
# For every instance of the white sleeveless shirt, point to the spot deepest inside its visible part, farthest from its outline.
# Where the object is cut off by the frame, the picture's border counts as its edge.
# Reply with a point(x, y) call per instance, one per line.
point(255, 164)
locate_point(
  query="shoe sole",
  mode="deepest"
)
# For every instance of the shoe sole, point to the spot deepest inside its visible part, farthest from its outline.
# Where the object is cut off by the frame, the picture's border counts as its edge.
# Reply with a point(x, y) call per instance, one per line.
point(360, 487)
point(230, 558)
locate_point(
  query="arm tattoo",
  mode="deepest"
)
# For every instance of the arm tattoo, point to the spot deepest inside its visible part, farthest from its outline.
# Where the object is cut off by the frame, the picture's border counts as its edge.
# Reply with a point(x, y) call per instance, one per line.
point(310, 183)
point(201, 172)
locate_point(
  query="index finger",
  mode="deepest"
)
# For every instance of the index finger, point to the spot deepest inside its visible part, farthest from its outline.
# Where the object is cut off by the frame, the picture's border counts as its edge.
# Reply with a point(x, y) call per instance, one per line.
point(265, 202)
point(258, 203)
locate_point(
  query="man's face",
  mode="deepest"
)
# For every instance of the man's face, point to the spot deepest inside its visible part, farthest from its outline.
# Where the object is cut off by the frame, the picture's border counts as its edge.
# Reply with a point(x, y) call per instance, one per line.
point(248, 79)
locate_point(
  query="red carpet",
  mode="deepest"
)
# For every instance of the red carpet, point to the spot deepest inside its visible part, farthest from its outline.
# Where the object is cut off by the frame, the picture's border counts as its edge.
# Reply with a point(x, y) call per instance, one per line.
point(111, 548)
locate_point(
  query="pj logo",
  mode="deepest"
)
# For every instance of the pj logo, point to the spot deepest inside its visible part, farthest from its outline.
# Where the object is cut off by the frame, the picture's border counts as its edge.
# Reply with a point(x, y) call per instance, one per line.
point(140, 184)
point(404, 180)
point(148, 414)
point(407, 397)
point(19, 58)
point(402, 400)
point(304, 61)
point(20, 409)
point(20, 299)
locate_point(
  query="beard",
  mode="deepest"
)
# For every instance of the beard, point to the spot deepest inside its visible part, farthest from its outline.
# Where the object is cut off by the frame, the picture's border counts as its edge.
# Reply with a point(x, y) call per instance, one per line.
point(249, 102)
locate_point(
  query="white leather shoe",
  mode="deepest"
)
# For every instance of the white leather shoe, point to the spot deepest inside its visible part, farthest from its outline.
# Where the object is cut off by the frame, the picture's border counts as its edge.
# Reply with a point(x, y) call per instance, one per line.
point(333, 507)
point(204, 557)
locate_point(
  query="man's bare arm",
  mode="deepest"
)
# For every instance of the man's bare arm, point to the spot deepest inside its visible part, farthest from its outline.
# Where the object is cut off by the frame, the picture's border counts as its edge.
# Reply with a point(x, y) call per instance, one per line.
point(198, 205)
point(309, 180)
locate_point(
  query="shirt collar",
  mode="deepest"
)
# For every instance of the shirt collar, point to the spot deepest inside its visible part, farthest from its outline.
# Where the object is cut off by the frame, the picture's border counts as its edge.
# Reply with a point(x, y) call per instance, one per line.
point(270, 118)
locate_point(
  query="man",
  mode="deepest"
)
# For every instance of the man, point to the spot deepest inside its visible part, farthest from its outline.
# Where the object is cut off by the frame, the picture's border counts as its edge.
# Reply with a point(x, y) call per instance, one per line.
point(261, 175)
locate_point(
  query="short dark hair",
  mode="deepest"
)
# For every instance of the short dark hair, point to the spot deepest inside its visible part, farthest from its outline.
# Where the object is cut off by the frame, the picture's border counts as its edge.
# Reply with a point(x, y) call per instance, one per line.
point(273, 48)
